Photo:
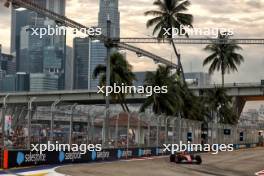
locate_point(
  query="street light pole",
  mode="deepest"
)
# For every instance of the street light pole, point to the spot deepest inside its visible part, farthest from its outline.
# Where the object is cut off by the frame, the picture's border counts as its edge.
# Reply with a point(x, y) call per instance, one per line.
point(3, 119)
point(52, 118)
point(108, 72)
point(29, 120)
point(71, 123)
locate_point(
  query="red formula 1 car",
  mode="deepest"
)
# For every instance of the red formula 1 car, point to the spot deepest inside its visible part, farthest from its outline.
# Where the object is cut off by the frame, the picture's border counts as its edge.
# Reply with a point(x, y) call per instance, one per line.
point(185, 157)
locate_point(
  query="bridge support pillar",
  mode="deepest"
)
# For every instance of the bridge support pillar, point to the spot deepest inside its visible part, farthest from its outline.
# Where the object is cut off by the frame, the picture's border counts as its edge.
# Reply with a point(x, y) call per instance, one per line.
point(239, 104)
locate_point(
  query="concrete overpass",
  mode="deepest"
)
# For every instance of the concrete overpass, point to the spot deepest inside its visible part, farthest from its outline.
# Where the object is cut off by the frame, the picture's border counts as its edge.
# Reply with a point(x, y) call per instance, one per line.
point(241, 92)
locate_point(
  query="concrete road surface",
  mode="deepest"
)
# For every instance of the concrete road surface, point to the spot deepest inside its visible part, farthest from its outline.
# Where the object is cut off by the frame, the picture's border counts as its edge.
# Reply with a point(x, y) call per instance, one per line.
point(238, 163)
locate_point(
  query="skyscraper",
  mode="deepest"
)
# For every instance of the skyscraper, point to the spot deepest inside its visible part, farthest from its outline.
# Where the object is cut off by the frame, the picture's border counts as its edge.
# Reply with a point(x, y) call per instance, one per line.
point(109, 8)
point(69, 68)
point(81, 47)
point(89, 54)
point(19, 19)
point(33, 52)
point(97, 57)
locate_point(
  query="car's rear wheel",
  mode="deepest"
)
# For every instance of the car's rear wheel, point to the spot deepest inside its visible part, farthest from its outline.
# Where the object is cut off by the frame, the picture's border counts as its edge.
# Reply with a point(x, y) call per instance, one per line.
point(198, 159)
point(172, 158)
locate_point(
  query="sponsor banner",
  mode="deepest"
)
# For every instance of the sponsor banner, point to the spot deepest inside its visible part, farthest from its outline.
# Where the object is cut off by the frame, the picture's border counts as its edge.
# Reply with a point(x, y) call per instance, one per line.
point(24, 158)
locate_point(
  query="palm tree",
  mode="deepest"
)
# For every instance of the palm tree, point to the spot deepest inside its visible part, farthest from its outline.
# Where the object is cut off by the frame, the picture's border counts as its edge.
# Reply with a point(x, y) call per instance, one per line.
point(220, 105)
point(170, 14)
point(163, 103)
point(121, 75)
point(193, 108)
point(223, 57)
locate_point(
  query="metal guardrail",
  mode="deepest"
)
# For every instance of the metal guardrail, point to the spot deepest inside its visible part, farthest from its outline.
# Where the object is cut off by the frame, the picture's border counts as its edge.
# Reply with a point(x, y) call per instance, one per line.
point(125, 129)
point(251, 41)
point(228, 85)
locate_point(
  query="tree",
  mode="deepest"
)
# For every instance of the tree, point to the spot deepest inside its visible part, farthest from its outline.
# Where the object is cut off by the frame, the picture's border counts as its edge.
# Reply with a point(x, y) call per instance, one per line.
point(121, 75)
point(194, 107)
point(170, 14)
point(220, 105)
point(163, 103)
point(223, 56)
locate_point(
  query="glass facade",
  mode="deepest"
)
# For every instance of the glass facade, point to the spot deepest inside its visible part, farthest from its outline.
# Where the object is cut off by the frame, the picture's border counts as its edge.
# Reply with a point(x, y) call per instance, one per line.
point(35, 54)
point(109, 7)
point(98, 57)
point(81, 48)
point(87, 56)
point(40, 82)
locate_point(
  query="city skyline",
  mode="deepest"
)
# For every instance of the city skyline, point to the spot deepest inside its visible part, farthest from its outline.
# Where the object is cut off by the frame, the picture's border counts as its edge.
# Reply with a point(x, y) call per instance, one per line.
point(245, 16)
point(45, 55)
point(89, 54)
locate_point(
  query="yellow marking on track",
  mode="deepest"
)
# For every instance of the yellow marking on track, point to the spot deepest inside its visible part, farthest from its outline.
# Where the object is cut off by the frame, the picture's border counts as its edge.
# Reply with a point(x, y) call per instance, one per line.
point(40, 174)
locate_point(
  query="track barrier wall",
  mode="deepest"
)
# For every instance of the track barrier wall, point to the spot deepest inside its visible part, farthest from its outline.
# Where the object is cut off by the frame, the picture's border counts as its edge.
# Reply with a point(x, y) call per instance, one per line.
point(129, 134)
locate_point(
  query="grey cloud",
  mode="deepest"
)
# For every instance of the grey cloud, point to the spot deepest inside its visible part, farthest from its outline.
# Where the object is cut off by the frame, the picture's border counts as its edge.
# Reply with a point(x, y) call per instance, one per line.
point(255, 3)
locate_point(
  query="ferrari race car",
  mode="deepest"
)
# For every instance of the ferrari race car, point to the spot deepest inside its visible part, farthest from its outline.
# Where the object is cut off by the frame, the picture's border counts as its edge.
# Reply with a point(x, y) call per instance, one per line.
point(185, 158)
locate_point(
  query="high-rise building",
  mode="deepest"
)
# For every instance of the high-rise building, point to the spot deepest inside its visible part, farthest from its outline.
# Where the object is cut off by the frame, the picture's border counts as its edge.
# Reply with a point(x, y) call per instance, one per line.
point(22, 82)
point(40, 82)
point(98, 57)
point(109, 9)
point(7, 64)
point(8, 83)
point(69, 68)
point(87, 56)
point(81, 47)
point(15, 82)
point(31, 50)
point(19, 19)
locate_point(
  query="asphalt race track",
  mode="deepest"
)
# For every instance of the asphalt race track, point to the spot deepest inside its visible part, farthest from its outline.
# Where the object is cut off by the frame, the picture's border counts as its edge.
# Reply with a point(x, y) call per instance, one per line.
point(238, 163)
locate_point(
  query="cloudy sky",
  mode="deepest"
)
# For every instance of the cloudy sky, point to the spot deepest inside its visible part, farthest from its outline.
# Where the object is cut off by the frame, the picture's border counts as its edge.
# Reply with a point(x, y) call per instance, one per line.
point(246, 17)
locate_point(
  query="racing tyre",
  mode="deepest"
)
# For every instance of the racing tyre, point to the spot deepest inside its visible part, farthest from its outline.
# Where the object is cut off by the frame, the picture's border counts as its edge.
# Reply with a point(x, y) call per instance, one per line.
point(178, 159)
point(172, 158)
point(198, 159)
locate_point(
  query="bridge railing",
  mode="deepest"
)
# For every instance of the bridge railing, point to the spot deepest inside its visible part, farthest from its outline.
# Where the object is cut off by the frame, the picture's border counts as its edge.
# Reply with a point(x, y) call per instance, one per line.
point(229, 85)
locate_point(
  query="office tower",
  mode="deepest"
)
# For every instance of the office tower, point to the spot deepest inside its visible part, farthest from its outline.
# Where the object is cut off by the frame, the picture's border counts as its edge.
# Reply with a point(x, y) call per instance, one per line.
point(31, 51)
point(29, 48)
point(69, 68)
point(109, 8)
point(98, 57)
point(7, 64)
point(97, 54)
point(81, 47)
point(19, 19)
point(40, 82)
point(87, 56)
point(8, 83)
point(22, 81)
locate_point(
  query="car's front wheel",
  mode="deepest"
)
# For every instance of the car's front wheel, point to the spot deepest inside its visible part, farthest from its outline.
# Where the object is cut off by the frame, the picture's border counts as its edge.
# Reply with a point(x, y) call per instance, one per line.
point(198, 159)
